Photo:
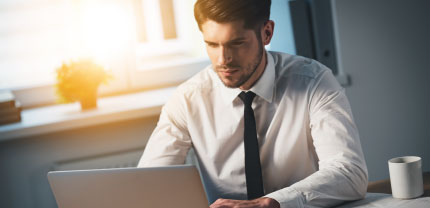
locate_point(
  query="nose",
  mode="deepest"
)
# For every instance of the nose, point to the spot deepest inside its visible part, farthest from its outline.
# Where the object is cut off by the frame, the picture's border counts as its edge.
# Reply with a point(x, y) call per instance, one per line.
point(224, 56)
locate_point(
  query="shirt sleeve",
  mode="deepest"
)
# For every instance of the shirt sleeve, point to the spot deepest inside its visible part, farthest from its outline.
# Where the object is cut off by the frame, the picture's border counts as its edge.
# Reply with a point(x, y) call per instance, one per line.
point(170, 140)
point(342, 173)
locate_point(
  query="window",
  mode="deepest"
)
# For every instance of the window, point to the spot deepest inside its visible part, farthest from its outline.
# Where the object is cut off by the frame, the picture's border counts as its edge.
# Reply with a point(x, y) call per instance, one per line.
point(33, 41)
point(167, 32)
point(132, 38)
point(145, 43)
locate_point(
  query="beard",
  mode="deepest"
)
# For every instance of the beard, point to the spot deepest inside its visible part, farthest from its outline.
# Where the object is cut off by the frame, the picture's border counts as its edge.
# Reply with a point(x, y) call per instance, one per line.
point(246, 72)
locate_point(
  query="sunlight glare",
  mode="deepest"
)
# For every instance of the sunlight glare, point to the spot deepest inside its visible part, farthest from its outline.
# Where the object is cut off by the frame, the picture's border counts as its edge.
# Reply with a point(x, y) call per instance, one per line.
point(107, 30)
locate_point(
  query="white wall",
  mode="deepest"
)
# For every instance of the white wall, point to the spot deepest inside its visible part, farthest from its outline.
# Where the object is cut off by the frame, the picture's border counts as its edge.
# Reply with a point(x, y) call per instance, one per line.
point(385, 48)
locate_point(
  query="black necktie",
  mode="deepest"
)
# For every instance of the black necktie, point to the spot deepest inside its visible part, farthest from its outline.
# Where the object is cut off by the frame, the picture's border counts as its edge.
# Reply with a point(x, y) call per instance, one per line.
point(254, 179)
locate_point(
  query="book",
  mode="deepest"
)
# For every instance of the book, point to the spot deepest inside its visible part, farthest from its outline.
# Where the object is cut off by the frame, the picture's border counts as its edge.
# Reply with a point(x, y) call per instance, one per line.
point(7, 99)
point(10, 119)
point(11, 110)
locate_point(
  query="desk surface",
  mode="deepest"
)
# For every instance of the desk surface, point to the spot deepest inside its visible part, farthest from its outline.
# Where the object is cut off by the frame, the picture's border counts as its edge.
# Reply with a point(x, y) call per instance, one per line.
point(380, 200)
point(384, 186)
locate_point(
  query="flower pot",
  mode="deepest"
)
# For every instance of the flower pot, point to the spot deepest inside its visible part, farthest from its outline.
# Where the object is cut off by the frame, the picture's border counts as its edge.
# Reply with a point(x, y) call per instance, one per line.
point(89, 101)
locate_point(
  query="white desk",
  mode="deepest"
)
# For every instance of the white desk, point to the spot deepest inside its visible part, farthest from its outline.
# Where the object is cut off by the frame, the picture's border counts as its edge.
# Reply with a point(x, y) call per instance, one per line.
point(380, 200)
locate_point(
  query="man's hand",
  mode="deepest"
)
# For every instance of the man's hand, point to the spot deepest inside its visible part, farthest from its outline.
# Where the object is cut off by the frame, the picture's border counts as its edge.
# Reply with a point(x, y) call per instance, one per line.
point(263, 202)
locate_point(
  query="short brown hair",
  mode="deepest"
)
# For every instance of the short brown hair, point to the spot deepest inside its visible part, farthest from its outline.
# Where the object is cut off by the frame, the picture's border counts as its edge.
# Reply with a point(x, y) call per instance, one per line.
point(253, 12)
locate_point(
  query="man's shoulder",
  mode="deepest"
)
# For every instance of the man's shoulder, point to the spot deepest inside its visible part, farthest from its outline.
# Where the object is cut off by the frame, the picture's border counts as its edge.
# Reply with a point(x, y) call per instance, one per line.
point(202, 82)
point(294, 65)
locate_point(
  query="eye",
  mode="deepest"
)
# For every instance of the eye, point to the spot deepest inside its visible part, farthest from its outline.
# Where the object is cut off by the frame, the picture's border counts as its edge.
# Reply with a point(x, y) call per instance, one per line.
point(237, 43)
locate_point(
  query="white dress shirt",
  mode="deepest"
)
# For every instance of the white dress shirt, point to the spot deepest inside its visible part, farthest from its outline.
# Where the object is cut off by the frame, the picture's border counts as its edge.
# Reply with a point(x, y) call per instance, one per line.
point(309, 145)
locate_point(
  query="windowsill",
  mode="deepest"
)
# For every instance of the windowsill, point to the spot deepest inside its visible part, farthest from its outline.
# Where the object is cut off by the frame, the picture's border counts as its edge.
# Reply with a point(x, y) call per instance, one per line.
point(69, 116)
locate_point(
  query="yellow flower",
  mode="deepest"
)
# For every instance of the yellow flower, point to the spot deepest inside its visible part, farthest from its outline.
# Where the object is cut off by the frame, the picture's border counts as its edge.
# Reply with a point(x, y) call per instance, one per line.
point(79, 79)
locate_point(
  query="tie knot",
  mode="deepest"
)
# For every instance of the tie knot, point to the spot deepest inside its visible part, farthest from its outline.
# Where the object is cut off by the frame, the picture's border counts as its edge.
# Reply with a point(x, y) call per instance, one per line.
point(247, 97)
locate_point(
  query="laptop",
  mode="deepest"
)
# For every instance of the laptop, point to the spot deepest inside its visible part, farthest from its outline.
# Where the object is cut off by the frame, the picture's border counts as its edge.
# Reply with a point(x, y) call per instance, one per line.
point(163, 187)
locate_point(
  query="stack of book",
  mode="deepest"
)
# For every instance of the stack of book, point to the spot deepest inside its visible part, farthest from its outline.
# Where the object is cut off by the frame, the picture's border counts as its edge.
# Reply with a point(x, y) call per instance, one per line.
point(10, 110)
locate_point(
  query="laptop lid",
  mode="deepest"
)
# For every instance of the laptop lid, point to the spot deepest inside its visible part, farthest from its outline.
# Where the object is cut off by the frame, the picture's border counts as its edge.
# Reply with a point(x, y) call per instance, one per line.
point(171, 186)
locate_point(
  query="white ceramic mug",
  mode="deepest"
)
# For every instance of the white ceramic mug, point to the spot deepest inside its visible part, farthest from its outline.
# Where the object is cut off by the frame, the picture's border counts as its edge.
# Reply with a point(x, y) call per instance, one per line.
point(406, 177)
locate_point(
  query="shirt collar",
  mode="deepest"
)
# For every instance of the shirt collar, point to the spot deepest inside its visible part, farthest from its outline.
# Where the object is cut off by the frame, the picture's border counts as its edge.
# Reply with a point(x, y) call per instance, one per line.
point(264, 87)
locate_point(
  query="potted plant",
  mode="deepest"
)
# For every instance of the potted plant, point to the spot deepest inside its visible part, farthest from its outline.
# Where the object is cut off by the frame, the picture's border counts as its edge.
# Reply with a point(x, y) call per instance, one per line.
point(79, 81)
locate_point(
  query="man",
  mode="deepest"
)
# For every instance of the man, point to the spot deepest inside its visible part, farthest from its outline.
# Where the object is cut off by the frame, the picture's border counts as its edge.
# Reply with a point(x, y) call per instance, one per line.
point(268, 129)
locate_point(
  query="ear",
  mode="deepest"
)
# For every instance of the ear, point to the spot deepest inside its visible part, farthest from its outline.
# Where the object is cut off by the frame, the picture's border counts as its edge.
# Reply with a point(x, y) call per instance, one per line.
point(267, 32)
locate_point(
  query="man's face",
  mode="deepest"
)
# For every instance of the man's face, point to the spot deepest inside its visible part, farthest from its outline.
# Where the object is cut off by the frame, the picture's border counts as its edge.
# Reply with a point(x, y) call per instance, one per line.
point(235, 52)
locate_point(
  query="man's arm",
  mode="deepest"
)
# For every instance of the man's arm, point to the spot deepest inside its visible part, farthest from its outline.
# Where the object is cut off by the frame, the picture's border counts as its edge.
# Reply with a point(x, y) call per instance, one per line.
point(342, 173)
point(170, 140)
